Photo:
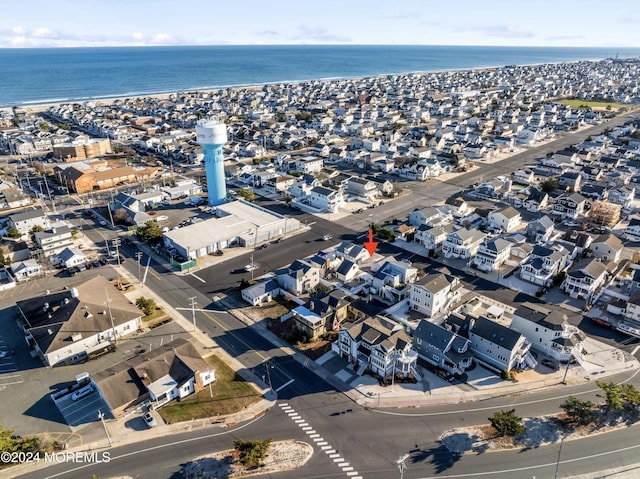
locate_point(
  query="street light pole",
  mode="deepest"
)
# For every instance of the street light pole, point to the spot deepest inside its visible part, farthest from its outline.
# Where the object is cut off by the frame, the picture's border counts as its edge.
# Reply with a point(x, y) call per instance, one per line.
point(101, 417)
point(401, 465)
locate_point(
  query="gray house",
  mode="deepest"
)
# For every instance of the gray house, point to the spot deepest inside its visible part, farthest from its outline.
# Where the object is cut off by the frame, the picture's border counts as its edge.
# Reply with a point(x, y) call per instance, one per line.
point(442, 348)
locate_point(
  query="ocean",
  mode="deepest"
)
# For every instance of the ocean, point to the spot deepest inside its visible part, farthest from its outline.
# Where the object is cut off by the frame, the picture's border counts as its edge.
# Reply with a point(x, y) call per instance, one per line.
point(52, 75)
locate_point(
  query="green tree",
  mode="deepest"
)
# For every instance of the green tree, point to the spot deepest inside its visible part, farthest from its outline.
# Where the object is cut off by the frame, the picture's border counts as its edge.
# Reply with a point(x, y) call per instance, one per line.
point(288, 199)
point(4, 260)
point(64, 126)
point(146, 305)
point(33, 231)
point(13, 232)
point(251, 452)
point(44, 126)
point(579, 412)
point(507, 423)
point(549, 185)
point(150, 232)
point(613, 395)
point(247, 194)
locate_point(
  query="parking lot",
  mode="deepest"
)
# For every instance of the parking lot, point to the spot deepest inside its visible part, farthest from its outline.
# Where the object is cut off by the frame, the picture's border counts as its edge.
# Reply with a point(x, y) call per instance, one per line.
point(26, 385)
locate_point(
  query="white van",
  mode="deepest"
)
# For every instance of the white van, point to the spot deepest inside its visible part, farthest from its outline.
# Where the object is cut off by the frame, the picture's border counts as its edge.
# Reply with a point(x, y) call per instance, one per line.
point(82, 392)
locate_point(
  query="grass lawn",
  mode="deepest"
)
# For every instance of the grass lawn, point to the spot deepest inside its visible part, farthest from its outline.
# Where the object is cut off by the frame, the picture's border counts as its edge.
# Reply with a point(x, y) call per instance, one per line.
point(158, 314)
point(230, 394)
point(595, 105)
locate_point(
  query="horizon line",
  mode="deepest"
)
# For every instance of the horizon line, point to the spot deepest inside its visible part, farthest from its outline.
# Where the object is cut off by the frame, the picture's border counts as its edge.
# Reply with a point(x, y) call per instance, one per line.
point(2, 47)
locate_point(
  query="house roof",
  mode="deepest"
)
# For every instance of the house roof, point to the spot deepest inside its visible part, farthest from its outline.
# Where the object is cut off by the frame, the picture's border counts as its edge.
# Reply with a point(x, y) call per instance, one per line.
point(508, 212)
point(548, 318)
point(495, 333)
point(26, 215)
point(128, 381)
point(434, 283)
point(610, 240)
point(54, 319)
point(591, 268)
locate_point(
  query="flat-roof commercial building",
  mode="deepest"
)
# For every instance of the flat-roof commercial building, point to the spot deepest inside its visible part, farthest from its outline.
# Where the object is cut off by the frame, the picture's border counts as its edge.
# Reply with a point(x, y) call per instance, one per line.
point(237, 222)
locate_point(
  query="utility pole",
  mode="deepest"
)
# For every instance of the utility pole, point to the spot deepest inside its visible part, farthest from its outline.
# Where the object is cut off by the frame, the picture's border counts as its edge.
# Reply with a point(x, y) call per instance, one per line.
point(116, 243)
point(113, 326)
point(53, 205)
point(193, 311)
point(138, 257)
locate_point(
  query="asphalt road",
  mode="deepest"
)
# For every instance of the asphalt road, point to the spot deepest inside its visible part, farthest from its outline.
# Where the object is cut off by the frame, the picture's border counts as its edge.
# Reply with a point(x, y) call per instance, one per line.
point(371, 441)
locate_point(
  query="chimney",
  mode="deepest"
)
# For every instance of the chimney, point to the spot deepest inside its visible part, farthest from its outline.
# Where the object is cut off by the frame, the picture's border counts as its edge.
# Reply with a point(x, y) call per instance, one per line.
point(74, 292)
point(45, 307)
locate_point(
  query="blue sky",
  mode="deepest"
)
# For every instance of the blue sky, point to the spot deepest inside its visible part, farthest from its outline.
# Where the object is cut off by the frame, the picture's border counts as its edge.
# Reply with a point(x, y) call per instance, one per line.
point(69, 23)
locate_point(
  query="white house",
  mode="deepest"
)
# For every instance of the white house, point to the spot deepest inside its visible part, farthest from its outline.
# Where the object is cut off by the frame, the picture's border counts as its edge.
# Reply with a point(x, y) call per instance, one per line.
point(326, 199)
point(507, 219)
point(548, 331)
point(377, 345)
point(434, 293)
point(544, 263)
point(462, 243)
point(571, 206)
point(54, 240)
point(26, 220)
point(24, 270)
point(261, 292)
point(70, 324)
point(309, 164)
point(70, 257)
point(584, 278)
point(492, 254)
point(300, 277)
point(607, 247)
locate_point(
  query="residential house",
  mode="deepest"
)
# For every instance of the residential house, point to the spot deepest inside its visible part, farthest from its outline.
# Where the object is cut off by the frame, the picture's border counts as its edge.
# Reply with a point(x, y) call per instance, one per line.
point(607, 247)
point(544, 263)
point(431, 237)
point(462, 243)
point(633, 228)
point(330, 308)
point(326, 200)
point(390, 277)
point(576, 241)
point(584, 278)
point(536, 201)
point(54, 240)
point(631, 312)
point(26, 269)
point(507, 219)
point(347, 271)
point(171, 371)
point(623, 196)
point(499, 347)
point(71, 324)
point(492, 254)
point(26, 220)
point(69, 257)
point(459, 207)
point(362, 188)
point(572, 205)
point(434, 293)
point(442, 348)
point(261, 292)
point(377, 345)
point(309, 164)
point(300, 277)
point(548, 331)
point(570, 181)
point(352, 252)
point(424, 216)
point(385, 187)
point(540, 229)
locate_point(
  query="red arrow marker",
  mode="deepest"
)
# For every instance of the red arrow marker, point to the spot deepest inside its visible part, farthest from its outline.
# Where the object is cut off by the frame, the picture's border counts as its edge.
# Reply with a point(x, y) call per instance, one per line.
point(371, 245)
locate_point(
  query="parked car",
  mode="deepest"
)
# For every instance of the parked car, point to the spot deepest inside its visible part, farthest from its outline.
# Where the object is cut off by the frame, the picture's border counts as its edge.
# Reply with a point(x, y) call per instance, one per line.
point(446, 375)
point(327, 237)
point(251, 267)
point(149, 420)
point(550, 363)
